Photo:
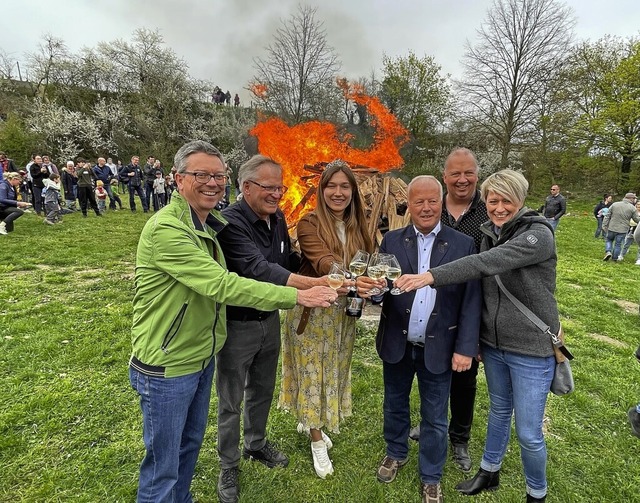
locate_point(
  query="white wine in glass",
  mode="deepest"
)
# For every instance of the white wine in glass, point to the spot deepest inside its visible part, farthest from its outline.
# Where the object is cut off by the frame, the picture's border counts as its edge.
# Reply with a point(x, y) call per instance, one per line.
point(358, 265)
point(336, 277)
point(393, 272)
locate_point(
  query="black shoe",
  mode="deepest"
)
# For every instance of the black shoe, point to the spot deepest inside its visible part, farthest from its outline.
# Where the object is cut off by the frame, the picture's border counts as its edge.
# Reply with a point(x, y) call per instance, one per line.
point(482, 481)
point(531, 499)
point(268, 455)
point(460, 454)
point(228, 486)
point(634, 421)
point(414, 433)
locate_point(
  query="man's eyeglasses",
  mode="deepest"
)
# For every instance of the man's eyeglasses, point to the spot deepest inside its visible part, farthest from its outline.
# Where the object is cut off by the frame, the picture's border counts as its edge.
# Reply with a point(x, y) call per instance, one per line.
point(274, 189)
point(205, 177)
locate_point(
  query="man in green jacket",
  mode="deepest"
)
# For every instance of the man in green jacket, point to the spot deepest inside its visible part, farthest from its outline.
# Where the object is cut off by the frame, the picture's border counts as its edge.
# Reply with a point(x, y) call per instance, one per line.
point(179, 320)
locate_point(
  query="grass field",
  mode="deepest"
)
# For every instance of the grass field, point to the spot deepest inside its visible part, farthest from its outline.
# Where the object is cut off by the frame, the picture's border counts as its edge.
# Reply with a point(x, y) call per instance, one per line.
point(70, 425)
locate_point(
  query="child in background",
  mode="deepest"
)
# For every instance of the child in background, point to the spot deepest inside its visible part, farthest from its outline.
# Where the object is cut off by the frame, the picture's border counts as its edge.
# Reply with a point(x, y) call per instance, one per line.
point(158, 189)
point(115, 191)
point(101, 196)
point(168, 187)
point(52, 199)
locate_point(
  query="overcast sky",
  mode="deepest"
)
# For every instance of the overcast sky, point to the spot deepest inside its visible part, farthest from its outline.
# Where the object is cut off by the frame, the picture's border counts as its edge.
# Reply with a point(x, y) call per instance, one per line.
point(220, 38)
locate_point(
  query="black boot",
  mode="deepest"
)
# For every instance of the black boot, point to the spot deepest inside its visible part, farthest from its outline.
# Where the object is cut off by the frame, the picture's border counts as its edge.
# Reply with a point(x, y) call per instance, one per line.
point(482, 481)
point(531, 499)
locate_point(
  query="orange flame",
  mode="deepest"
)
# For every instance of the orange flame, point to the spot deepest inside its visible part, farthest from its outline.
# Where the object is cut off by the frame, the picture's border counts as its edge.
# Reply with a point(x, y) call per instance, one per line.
point(317, 142)
point(259, 90)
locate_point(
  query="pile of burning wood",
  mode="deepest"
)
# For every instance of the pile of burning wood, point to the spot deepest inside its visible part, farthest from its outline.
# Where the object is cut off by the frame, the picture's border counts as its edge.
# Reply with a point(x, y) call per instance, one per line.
point(385, 198)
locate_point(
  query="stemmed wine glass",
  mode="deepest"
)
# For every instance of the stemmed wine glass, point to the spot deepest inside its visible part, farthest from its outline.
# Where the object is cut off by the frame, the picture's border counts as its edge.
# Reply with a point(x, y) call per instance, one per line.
point(358, 265)
point(336, 277)
point(375, 270)
point(393, 272)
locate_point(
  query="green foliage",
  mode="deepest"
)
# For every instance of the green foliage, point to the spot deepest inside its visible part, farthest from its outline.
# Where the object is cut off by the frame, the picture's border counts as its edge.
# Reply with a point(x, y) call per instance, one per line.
point(17, 141)
point(70, 425)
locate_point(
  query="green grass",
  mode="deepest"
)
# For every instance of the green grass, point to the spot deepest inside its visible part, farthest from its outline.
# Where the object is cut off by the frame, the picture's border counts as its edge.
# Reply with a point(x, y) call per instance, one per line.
point(70, 427)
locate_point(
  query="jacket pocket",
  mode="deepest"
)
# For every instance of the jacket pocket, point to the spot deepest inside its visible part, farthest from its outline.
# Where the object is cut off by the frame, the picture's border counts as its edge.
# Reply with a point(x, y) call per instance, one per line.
point(173, 328)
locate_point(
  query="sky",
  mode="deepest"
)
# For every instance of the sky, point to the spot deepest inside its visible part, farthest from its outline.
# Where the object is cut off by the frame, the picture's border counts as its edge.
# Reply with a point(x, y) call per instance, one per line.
point(220, 38)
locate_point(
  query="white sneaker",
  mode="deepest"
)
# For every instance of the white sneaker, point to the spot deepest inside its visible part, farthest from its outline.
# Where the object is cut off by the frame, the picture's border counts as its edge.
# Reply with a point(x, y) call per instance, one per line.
point(3, 228)
point(305, 431)
point(637, 262)
point(321, 461)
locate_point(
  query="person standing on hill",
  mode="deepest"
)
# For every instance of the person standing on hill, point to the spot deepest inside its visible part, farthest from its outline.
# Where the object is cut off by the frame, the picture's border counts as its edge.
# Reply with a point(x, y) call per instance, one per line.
point(616, 225)
point(86, 180)
point(599, 212)
point(135, 177)
point(149, 178)
point(554, 207)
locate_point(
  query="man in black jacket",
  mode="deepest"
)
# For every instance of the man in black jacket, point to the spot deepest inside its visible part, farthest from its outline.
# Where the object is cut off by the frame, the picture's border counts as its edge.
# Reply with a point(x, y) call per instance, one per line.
point(38, 174)
point(135, 174)
point(149, 178)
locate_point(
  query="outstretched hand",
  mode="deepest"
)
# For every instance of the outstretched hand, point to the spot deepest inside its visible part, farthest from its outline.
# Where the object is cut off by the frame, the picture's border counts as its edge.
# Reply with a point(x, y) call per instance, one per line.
point(317, 296)
point(410, 282)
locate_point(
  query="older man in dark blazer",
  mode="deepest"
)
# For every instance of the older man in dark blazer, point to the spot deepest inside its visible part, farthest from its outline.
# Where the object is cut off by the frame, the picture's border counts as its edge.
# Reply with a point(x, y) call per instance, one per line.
point(429, 334)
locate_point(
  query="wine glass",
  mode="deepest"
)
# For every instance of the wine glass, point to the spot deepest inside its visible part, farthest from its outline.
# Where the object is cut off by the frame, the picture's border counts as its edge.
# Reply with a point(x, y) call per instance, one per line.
point(375, 270)
point(393, 272)
point(336, 277)
point(358, 265)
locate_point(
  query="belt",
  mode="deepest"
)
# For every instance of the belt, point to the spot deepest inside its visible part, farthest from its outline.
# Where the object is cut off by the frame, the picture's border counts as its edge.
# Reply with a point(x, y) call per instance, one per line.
point(254, 316)
point(416, 344)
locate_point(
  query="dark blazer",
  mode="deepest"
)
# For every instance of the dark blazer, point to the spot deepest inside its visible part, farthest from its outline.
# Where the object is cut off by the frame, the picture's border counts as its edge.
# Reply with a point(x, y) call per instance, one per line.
point(454, 325)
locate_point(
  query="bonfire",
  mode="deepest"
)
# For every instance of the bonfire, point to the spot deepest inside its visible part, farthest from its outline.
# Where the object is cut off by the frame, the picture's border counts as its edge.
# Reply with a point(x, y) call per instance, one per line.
point(304, 149)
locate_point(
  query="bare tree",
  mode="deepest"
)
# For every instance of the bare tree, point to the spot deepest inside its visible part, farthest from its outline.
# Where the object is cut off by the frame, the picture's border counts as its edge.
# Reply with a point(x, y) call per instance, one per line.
point(520, 44)
point(297, 78)
point(44, 64)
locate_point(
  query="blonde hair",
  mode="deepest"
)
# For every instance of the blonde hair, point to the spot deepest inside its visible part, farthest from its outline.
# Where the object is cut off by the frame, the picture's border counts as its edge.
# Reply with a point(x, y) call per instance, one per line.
point(354, 218)
point(508, 183)
point(100, 183)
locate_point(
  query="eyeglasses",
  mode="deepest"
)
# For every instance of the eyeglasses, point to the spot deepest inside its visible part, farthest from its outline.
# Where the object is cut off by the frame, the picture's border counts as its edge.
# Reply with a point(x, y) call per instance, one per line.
point(274, 189)
point(205, 177)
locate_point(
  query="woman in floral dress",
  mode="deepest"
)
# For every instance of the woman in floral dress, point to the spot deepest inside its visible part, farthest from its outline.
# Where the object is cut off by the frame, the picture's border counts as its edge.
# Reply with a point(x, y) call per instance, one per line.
point(318, 343)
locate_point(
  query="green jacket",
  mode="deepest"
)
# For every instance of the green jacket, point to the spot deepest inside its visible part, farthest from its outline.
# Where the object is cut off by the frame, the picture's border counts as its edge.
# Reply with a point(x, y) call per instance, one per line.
point(181, 284)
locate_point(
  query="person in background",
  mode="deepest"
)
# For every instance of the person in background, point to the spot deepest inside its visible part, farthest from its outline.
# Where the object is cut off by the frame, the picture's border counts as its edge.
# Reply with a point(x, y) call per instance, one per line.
point(182, 288)
point(10, 208)
point(159, 191)
point(256, 245)
point(519, 362)
point(430, 334)
point(6, 164)
point(101, 196)
point(47, 163)
point(318, 344)
point(616, 225)
point(135, 177)
point(554, 207)
point(38, 174)
point(86, 179)
point(115, 191)
point(599, 213)
point(69, 181)
point(102, 172)
point(629, 239)
point(52, 199)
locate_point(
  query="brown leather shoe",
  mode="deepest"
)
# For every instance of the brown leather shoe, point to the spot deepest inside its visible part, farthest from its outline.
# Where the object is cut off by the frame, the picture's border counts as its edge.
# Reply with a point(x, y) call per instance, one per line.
point(432, 493)
point(388, 469)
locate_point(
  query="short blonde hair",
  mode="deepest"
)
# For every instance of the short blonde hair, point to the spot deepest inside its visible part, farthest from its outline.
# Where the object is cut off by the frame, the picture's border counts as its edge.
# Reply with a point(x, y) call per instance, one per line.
point(507, 183)
point(13, 175)
point(100, 183)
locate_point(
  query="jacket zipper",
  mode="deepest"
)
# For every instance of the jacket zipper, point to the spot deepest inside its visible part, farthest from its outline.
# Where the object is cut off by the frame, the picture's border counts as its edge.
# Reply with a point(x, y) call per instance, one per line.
point(173, 329)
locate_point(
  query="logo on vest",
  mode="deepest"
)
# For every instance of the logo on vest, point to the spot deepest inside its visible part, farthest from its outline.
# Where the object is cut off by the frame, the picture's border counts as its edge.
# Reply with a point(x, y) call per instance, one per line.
point(532, 239)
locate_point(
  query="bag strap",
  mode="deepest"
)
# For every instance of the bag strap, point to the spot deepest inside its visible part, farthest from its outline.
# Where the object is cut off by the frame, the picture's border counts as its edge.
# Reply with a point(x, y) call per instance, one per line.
point(555, 339)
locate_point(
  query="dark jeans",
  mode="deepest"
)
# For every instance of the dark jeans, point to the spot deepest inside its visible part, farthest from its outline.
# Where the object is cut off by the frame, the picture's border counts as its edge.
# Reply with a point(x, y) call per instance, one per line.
point(246, 372)
point(148, 190)
point(37, 199)
point(87, 198)
point(434, 398)
point(174, 419)
point(133, 190)
point(462, 401)
point(599, 227)
point(8, 214)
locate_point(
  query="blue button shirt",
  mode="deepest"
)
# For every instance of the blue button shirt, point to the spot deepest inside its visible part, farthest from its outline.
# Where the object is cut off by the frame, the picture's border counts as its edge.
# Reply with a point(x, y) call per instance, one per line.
point(425, 298)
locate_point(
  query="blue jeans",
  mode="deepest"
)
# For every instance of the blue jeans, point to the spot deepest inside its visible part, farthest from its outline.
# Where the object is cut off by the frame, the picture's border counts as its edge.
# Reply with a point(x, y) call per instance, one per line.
point(434, 399)
point(618, 238)
point(553, 222)
point(517, 384)
point(599, 227)
point(174, 415)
